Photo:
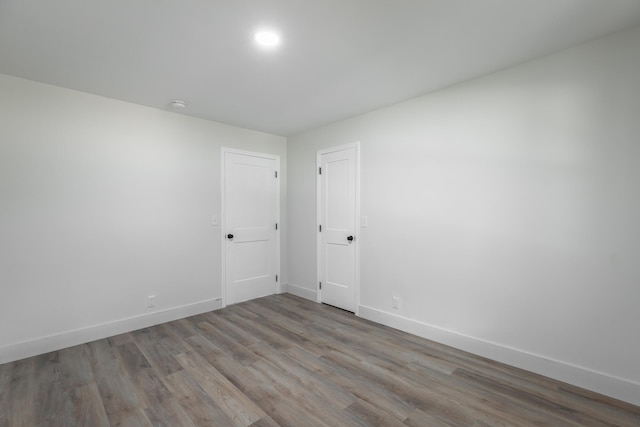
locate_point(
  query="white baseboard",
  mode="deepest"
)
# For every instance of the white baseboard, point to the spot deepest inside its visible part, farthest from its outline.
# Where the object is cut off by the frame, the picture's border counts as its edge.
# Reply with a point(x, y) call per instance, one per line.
point(301, 292)
point(41, 345)
point(599, 382)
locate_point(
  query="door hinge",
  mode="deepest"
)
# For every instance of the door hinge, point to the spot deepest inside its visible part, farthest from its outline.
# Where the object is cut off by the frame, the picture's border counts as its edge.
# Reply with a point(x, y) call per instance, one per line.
point(276, 277)
point(319, 171)
point(276, 174)
point(320, 285)
point(276, 225)
point(320, 228)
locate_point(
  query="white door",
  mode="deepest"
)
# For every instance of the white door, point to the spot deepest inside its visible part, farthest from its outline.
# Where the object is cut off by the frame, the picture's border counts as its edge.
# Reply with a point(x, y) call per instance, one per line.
point(337, 236)
point(250, 200)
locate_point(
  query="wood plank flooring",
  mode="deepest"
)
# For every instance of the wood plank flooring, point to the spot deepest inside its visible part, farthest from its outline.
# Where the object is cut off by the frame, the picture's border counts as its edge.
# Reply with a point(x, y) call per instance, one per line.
point(285, 361)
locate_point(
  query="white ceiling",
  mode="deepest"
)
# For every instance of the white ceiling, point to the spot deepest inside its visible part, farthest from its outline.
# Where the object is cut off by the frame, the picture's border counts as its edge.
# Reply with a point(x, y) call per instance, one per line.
point(338, 58)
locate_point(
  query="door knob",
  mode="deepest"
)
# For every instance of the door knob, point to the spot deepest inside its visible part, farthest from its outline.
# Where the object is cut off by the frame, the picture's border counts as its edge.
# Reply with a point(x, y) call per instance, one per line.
point(350, 238)
point(229, 236)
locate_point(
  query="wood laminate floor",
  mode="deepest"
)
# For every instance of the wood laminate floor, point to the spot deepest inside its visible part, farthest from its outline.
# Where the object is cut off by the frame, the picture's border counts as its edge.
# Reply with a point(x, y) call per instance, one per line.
point(282, 360)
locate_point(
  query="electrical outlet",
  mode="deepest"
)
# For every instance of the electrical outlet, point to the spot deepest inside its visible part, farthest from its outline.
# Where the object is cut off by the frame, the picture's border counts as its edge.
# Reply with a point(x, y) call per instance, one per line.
point(151, 301)
point(395, 303)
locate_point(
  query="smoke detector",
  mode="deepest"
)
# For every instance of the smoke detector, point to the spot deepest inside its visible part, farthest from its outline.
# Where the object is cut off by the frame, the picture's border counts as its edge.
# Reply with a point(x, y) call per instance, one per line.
point(178, 105)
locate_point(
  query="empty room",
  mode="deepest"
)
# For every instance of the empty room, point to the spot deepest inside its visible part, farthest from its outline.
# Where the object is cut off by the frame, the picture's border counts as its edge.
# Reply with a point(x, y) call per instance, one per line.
point(330, 213)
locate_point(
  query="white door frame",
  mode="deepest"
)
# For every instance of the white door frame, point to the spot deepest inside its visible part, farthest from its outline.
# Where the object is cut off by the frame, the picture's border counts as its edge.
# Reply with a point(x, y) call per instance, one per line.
point(355, 145)
point(223, 216)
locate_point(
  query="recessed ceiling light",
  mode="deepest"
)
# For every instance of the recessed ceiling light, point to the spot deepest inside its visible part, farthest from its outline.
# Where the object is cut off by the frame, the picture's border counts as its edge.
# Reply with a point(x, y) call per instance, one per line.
point(267, 38)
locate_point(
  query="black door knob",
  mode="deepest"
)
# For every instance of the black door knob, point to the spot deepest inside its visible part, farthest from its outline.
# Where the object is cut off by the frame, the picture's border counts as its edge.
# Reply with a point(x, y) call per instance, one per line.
point(229, 236)
point(350, 238)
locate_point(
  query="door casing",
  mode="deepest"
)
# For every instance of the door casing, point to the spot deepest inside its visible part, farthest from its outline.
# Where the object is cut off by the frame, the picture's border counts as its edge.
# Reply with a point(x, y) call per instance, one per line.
point(224, 220)
point(320, 153)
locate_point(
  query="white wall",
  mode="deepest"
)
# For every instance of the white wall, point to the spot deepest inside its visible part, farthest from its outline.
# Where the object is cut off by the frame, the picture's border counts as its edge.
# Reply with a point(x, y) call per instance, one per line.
point(101, 204)
point(504, 212)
